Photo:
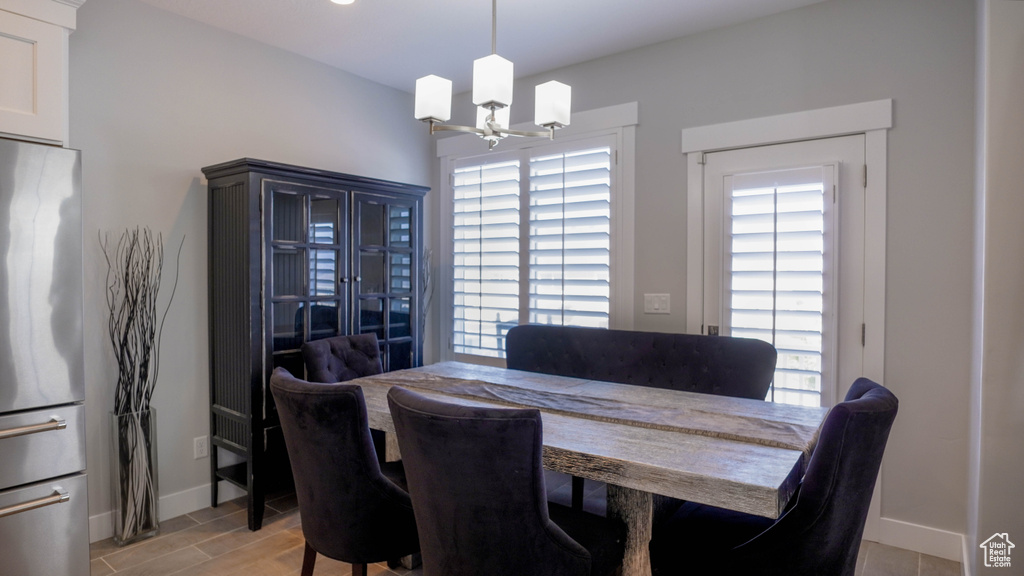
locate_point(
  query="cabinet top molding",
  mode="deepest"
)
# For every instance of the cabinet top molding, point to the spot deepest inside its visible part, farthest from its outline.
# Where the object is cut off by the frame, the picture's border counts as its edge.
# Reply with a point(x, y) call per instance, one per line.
point(59, 12)
point(245, 165)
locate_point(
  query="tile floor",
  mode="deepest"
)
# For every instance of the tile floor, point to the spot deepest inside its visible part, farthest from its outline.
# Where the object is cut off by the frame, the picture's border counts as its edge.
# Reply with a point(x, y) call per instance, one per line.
point(216, 541)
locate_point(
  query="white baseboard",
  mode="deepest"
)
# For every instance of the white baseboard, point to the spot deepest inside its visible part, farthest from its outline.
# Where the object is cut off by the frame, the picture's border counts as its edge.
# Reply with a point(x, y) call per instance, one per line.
point(101, 525)
point(965, 566)
point(923, 539)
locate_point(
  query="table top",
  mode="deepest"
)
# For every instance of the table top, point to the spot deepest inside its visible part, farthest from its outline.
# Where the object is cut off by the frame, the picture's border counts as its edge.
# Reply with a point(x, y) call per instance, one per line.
point(740, 454)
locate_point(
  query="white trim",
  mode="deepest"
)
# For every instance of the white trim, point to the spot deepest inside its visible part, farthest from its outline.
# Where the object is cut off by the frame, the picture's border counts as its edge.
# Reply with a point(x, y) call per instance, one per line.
point(807, 125)
point(966, 552)
point(616, 121)
point(694, 243)
point(922, 539)
point(624, 253)
point(583, 123)
point(871, 118)
point(171, 506)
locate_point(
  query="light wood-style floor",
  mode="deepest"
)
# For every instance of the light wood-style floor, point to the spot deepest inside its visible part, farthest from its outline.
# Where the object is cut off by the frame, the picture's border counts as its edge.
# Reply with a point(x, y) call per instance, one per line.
point(216, 541)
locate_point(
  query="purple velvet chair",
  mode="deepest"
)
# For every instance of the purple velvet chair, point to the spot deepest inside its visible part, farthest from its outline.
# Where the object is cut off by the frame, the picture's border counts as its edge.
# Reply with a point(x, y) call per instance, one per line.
point(353, 509)
point(477, 487)
point(341, 358)
point(819, 534)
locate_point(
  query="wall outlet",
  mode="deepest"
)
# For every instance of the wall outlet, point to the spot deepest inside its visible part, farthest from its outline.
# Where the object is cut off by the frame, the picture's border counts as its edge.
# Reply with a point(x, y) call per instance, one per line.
point(200, 447)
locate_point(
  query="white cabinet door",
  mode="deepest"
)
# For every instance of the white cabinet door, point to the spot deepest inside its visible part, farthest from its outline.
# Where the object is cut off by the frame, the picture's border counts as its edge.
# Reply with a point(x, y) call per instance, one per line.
point(32, 77)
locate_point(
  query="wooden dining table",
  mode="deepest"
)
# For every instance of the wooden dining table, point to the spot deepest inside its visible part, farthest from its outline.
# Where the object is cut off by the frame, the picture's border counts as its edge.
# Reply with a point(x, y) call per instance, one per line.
point(645, 443)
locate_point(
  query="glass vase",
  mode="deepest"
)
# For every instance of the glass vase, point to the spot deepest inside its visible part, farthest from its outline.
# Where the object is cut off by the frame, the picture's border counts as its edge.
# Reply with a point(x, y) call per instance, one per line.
point(134, 476)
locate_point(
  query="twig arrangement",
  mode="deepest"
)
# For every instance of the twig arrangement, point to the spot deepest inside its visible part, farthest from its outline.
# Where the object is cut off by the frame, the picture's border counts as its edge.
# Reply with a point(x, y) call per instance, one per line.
point(426, 287)
point(134, 267)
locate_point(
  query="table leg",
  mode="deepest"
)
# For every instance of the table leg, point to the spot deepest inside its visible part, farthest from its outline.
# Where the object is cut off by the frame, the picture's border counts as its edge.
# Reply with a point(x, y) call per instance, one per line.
point(636, 509)
point(391, 452)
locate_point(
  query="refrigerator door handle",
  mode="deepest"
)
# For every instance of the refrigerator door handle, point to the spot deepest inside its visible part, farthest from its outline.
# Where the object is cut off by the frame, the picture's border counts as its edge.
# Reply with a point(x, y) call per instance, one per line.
point(55, 423)
point(59, 495)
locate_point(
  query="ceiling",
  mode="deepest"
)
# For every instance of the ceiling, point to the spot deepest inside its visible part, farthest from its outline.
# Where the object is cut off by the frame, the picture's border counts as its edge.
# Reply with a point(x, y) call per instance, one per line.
point(394, 42)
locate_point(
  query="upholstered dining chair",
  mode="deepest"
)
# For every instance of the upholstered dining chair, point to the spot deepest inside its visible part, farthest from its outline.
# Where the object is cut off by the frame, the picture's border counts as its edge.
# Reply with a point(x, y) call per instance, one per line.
point(353, 509)
point(341, 358)
point(477, 487)
point(820, 534)
point(721, 365)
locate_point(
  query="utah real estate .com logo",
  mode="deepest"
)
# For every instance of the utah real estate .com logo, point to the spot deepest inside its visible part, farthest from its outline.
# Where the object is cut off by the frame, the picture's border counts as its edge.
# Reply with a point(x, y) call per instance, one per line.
point(997, 550)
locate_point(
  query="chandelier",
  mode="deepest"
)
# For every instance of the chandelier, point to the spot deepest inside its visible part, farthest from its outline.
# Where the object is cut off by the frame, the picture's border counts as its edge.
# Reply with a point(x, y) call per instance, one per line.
point(492, 94)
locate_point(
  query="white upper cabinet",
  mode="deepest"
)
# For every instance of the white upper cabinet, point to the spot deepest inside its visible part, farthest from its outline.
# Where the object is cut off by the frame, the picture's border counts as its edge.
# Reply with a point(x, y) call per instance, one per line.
point(34, 68)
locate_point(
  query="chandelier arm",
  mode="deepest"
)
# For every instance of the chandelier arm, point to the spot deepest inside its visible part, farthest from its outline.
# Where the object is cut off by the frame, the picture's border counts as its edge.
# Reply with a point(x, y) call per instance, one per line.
point(456, 128)
point(502, 132)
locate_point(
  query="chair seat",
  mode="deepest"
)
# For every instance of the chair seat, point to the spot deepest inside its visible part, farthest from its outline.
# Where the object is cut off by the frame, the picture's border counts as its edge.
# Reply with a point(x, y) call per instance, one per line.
point(395, 472)
point(702, 534)
point(605, 539)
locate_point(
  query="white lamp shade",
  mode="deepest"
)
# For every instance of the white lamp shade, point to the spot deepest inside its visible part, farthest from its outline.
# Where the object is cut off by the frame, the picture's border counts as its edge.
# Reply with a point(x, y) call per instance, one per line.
point(553, 104)
point(433, 98)
point(501, 116)
point(492, 81)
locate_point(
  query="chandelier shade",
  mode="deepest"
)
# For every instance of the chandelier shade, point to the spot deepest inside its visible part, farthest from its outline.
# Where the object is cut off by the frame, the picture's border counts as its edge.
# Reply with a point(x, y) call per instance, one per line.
point(492, 81)
point(553, 102)
point(493, 78)
point(433, 99)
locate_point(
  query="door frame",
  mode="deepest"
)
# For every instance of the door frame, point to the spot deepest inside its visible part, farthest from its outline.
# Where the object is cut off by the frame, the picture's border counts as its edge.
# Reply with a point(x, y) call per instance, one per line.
point(873, 119)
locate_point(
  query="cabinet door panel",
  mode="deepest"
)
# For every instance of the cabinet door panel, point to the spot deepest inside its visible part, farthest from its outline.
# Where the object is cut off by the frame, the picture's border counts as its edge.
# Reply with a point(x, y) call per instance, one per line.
point(289, 275)
point(371, 273)
point(324, 223)
point(289, 217)
point(371, 224)
point(323, 272)
point(400, 226)
point(399, 318)
point(288, 321)
point(401, 272)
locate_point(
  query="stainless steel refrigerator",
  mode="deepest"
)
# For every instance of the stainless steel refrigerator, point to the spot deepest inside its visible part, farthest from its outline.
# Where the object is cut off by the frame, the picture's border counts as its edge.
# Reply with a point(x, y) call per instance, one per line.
point(44, 521)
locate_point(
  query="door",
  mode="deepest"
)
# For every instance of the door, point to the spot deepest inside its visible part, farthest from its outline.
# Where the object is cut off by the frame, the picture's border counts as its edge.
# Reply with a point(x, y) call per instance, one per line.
point(307, 268)
point(386, 271)
point(784, 259)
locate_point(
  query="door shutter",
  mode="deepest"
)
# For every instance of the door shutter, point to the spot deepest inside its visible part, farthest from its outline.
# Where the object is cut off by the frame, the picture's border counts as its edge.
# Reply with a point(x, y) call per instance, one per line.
point(779, 255)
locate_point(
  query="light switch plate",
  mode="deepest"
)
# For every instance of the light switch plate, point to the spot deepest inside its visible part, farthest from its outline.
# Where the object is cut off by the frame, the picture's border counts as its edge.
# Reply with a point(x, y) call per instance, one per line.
point(657, 304)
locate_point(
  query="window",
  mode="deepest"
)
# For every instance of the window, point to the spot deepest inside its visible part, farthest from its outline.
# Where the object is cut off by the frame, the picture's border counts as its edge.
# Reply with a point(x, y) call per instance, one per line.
point(558, 199)
point(570, 238)
point(536, 231)
point(485, 256)
point(778, 275)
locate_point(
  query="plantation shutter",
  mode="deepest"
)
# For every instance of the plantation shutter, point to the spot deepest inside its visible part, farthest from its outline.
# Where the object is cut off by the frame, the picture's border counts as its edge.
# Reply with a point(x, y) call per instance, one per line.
point(485, 256)
point(570, 238)
point(779, 254)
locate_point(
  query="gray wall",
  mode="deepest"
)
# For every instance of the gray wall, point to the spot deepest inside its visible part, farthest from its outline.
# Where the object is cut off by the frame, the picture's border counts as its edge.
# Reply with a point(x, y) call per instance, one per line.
point(997, 402)
point(154, 98)
point(921, 55)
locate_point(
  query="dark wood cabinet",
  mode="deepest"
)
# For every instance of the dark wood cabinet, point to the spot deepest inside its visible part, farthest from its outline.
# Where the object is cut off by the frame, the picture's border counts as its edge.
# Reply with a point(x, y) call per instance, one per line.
point(298, 254)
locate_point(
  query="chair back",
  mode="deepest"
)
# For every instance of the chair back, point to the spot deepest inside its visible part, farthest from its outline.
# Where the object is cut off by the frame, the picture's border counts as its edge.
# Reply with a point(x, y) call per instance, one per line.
point(821, 533)
point(477, 486)
point(350, 511)
point(342, 358)
point(722, 365)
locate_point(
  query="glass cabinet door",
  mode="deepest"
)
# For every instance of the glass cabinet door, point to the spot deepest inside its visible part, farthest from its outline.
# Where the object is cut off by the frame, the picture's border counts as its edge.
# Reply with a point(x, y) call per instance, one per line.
point(308, 278)
point(385, 269)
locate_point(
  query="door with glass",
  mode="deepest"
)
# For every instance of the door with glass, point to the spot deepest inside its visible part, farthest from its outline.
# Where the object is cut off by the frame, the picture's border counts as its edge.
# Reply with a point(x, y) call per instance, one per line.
point(784, 259)
point(307, 279)
point(385, 269)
